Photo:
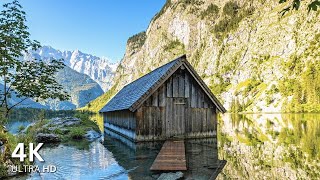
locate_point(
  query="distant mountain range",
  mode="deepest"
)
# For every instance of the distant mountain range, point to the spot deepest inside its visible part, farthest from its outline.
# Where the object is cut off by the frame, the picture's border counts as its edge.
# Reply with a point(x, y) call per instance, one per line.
point(81, 88)
point(99, 69)
point(85, 77)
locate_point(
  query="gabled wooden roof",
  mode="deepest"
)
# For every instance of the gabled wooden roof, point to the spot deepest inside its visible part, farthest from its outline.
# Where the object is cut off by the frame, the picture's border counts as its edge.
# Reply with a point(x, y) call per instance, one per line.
point(133, 95)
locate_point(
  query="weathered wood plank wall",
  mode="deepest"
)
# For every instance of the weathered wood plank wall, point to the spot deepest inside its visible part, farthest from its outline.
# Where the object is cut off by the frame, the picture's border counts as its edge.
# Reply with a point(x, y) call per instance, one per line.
point(124, 119)
point(178, 107)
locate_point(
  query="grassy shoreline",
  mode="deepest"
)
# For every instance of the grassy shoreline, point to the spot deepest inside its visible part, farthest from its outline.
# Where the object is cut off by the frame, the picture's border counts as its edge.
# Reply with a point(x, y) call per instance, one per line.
point(73, 135)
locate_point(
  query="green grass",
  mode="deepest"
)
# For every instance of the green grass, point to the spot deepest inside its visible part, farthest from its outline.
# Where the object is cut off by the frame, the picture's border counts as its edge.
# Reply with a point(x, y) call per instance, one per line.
point(11, 142)
point(69, 132)
point(77, 133)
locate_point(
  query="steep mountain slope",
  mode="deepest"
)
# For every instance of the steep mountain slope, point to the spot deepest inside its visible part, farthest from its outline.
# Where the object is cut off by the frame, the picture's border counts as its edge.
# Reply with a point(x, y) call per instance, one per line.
point(99, 69)
point(80, 87)
point(249, 56)
point(14, 99)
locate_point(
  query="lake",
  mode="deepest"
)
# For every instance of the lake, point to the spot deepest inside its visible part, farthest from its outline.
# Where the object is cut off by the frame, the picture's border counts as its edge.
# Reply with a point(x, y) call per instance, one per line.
point(267, 146)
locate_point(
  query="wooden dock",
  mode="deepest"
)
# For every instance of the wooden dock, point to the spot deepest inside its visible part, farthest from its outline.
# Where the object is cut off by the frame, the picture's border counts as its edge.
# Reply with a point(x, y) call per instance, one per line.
point(172, 157)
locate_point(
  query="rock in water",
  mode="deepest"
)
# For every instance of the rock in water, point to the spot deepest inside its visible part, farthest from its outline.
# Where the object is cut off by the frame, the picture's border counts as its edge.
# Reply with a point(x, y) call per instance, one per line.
point(67, 121)
point(171, 176)
point(47, 138)
point(92, 135)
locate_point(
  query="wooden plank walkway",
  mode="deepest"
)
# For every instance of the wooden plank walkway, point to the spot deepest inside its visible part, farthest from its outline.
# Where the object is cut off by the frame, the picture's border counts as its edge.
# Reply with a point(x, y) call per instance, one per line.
point(172, 157)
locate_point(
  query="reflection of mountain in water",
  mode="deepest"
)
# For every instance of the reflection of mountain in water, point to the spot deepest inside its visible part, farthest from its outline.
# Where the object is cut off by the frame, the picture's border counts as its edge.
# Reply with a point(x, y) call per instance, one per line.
point(272, 146)
point(137, 158)
point(202, 159)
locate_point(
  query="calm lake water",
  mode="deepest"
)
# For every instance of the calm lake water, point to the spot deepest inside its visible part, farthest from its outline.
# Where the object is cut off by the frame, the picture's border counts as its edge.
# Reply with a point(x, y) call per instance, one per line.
point(255, 146)
point(13, 126)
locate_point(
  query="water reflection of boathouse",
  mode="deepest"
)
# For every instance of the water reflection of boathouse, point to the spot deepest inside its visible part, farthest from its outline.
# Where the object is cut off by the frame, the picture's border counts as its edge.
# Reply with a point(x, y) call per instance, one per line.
point(136, 158)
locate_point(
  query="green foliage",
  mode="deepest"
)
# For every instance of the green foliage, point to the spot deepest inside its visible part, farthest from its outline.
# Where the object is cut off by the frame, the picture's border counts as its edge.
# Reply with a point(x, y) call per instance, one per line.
point(253, 139)
point(23, 114)
point(32, 78)
point(219, 87)
point(32, 130)
point(21, 128)
point(136, 41)
point(186, 3)
point(163, 9)
point(211, 11)
point(305, 86)
point(299, 142)
point(232, 16)
point(69, 132)
point(83, 115)
point(231, 8)
point(173, 45)
point(314, 5)
point(86, 121)
point(3, 169)
point(77, 133)
point(273, 90)
point(3, 119)
point(252, 85)
point(10, 142)
point(286, 86)
point(193, 4)
point(296, 4)
point(196, 56)
point(269, 100)
point(236, 106)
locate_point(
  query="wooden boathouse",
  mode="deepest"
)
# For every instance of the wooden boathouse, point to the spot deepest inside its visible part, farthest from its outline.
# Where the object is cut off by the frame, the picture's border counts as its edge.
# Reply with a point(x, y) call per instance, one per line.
point(172, 101)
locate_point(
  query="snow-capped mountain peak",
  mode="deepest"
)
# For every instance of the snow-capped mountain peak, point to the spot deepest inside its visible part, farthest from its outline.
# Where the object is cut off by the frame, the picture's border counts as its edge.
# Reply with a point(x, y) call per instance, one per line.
point(100, 69)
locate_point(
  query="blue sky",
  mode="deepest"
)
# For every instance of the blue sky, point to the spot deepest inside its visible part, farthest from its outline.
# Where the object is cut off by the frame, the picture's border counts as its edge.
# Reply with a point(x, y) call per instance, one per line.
point(98, 27)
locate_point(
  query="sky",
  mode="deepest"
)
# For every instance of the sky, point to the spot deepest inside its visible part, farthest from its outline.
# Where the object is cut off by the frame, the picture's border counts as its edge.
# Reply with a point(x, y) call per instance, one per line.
point(97, 27)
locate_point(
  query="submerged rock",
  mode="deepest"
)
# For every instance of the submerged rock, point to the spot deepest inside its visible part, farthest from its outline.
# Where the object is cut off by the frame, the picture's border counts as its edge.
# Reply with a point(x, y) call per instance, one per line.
point(92, 135)
point(171, 176)
point(47, 138)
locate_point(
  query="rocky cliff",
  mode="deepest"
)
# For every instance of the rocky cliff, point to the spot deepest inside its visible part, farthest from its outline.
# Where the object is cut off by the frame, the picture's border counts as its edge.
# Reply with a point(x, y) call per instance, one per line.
point(81, 78)
point(251, 58)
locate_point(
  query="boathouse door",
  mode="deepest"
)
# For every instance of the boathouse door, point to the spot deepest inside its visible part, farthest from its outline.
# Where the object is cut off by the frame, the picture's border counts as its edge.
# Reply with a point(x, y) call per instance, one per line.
point(177, 124)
